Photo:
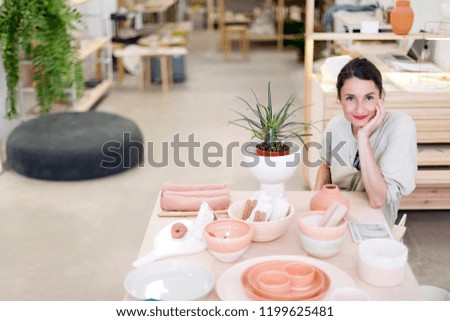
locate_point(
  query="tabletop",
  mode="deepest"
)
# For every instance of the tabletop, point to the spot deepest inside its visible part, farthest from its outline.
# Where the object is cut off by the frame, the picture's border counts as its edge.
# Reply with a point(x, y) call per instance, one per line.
point(289, 244)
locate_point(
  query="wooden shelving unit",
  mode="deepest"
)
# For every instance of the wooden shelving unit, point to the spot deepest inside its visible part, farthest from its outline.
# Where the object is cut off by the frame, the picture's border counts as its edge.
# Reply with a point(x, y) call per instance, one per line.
point(278, 37)
point(99, 46)
point(74, 3)
point(91, 96)
point(89, 46)
point(429, 109)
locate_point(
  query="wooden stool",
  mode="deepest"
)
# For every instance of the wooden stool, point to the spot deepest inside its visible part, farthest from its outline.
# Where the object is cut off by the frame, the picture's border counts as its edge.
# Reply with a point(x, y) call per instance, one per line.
point(119, 62)
point(229, 32)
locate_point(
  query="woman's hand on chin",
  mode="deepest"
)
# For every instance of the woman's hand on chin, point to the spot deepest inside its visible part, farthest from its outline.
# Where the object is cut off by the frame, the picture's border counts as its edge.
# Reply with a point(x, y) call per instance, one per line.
point(374, 123)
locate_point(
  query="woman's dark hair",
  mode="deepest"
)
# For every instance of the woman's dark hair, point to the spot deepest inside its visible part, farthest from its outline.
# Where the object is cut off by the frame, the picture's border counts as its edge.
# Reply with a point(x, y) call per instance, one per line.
point(360, 68)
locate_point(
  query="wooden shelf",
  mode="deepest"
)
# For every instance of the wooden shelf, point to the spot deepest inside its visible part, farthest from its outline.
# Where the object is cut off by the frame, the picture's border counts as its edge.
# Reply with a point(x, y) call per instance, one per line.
point(279, 36)
point(85, 103)
point(91, 96)
point(366, 36)
point(426, 198)
point(90, 45)
point(434, 155)
point(74, 3)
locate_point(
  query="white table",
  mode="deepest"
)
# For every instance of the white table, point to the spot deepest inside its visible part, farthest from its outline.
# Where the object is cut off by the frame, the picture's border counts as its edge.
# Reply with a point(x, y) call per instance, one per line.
point(289, 244)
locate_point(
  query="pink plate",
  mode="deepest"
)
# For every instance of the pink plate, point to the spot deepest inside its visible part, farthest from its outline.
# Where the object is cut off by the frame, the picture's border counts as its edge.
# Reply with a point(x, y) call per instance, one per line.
point(318, 289)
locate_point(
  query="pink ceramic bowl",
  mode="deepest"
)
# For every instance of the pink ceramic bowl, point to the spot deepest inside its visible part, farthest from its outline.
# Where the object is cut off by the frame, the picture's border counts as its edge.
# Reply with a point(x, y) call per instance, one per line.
point(322, 248)
point(264, 231)
point(382, 262)
point(227, 239)
point(308, 225)
point(274, 282)
point(302, 275)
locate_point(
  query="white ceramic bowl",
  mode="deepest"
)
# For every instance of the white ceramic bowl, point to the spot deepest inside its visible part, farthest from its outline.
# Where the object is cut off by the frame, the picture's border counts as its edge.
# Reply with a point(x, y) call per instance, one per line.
point(170, 280)
point(382, 262)
point(349, 294)
point(321, 248)
point(434, 293)
point(263, 231)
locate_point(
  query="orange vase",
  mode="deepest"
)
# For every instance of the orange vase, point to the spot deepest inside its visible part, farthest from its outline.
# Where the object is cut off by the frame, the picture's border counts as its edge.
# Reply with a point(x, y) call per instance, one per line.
point(323, 198)
point(402, 18)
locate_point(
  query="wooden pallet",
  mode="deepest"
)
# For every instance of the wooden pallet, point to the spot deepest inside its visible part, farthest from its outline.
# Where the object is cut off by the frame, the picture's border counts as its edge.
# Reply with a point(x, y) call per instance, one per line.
point(432, 180)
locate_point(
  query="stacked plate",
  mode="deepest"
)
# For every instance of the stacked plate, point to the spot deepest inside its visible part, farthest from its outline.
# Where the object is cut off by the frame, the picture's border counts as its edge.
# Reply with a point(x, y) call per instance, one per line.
point(316, 291)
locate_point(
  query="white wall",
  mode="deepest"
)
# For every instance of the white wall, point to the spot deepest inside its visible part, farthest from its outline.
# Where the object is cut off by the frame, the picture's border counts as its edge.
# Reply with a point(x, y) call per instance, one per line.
point(2, 106)
point(426, 17)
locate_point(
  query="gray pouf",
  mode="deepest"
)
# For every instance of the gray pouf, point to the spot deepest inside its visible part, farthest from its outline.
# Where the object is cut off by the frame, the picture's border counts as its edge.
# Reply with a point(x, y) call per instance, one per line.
point(74, 146)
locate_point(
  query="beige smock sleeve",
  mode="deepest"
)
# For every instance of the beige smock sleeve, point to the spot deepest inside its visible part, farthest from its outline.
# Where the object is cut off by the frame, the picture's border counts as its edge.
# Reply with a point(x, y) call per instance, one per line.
point(398, 162)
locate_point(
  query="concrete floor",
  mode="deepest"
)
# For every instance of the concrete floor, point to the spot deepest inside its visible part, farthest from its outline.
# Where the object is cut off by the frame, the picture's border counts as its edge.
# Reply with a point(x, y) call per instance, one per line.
point(76, 240)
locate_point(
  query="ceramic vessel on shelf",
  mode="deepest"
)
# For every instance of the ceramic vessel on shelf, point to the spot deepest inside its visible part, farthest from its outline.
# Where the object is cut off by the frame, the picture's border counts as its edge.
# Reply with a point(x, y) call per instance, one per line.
point(227, 239)
point(263, 231)
point(402, 18)
point(273, 171)
point(323, 198)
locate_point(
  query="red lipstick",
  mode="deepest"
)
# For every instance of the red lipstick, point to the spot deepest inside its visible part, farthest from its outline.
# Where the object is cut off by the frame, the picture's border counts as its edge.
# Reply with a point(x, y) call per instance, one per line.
point(360, 117)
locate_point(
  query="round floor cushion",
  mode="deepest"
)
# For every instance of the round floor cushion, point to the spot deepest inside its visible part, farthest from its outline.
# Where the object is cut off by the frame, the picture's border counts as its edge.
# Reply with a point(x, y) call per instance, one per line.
point(74, 146)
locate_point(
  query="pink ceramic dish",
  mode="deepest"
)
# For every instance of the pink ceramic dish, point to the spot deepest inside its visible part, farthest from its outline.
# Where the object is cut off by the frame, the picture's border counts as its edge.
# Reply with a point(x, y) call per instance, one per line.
point(318, 288)
point(274, 281)
point(308, 224)
point(225, 236)
point(300, 274)
point(264, 231)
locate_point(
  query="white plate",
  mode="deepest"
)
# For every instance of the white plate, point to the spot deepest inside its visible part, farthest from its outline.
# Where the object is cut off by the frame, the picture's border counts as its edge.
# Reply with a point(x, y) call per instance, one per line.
point(170, 280)
point(229, 286)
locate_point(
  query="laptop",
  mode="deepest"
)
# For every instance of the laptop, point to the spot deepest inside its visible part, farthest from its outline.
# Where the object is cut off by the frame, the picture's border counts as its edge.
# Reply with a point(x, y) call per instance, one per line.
point(413, 54)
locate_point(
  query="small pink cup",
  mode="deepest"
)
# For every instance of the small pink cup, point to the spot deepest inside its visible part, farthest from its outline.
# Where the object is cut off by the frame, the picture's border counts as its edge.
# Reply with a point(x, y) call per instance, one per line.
point(301, 275)
point(273, 281)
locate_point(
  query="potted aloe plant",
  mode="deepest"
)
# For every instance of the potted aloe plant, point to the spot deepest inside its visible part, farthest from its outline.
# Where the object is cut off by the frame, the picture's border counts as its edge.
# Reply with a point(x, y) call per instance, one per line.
point(272, 128)
point(274, 161)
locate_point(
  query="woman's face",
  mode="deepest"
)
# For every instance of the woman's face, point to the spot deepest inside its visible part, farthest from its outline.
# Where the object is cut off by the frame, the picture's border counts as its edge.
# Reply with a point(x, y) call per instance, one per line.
point(359, 99)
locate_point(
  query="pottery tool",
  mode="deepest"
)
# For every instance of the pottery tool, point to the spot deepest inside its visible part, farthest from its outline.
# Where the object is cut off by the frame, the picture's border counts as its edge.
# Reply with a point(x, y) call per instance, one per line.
point(337, 216)
point(330, 211)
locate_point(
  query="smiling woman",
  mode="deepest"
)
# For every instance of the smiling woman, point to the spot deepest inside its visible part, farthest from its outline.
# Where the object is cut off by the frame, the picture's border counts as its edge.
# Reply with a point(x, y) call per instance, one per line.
point(379, 149)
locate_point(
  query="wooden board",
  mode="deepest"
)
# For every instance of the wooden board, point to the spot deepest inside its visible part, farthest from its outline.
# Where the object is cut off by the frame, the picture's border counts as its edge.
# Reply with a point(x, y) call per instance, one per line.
point(427, 198)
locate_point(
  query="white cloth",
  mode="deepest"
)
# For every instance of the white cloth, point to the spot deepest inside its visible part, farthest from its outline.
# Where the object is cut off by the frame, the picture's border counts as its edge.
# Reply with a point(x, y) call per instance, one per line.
point(394, 145)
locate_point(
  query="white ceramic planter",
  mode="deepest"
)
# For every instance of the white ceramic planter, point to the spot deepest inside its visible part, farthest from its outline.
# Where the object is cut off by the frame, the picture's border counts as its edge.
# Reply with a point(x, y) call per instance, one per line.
point(273, 171)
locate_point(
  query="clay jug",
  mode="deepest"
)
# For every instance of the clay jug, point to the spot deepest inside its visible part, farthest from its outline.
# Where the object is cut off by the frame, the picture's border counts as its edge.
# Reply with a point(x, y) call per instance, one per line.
point(402, 17)
point(323, 198)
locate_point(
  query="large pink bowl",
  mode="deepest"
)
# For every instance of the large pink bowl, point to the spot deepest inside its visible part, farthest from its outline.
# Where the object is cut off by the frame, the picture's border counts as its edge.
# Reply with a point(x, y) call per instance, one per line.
point(308, 225)
point(227, 235)
point(264, 231)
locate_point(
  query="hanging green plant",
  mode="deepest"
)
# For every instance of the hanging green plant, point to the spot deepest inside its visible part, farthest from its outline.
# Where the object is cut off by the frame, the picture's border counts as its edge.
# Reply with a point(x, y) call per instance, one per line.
point(40, 31)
